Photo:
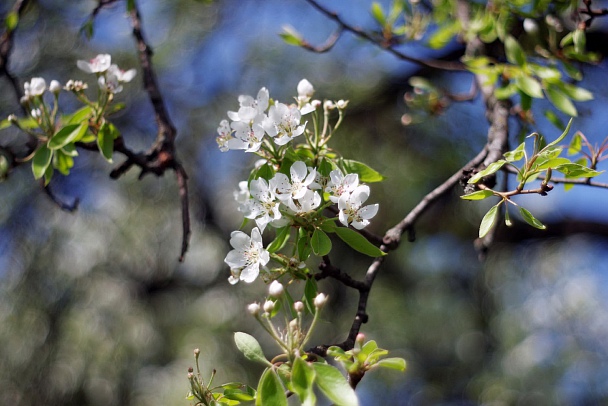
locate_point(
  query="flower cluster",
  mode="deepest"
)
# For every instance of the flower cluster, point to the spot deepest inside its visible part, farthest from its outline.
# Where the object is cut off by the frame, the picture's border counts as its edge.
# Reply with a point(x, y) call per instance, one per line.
point(292, 186)
point(260, 117)
point(109, 76)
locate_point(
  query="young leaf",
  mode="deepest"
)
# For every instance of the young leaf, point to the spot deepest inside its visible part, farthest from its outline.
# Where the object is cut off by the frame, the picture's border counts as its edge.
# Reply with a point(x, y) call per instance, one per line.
point(302, 379)
point(517, 154)
point(572, 170)
point(488, 220)
point(11, 21)
point(333, 385)
point(378, 13)
point(303, 245)
point(561, 101)
point(562, 136)
point(79, 115)
point(105, 140)
point(250, 347)
point(530, 219)
point(320, 243)
point(515, 54)
point(492, 168)
point(529, 86)
point(280, 240)
point(41, 161)
point(579, 41)
point(576, 145)
point(366, 174)
point(359, 243)
point(478, 195)
point(63, 162)
point(69, 133)
point(574, 92)
point(398, 364)
point(291, 36)
point(270, 390)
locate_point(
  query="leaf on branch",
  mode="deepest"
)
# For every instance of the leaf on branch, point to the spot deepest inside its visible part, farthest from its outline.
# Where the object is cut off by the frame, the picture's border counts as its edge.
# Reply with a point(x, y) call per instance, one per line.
point(250, 347)
point(378, 13)
point(489, 220)
point(529, 86)
point(517, 154)
point(562, 136)
point(291, 36)
point(398, 364)
point(334, 385)
point(41, 161)
point(514, 51)
point(573, 171)
point(530, 219)
point(320, 243)
point(359, 243)
point(478, 195)
point(68, 134)
point(561, 101)
point(302, 380)
point(280, 240)
point(492, 168)
point(366, 174)
point(105, 140)
point(270, 390)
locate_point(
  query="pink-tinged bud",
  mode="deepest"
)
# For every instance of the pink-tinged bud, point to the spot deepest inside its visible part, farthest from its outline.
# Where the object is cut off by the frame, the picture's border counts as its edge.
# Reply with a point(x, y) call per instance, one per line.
point(253, 309)
point(190, 375)
point(298, 306)
point(268, 306)
point(275, 289)
point(360, 338)
point(320, 300)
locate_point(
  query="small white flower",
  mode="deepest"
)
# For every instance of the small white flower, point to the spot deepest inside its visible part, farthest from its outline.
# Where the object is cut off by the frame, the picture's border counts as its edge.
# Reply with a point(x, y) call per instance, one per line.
point(35, 113)
point(264, 207)
point(250, 134)
point(283, 123)
point(250, 108)
point(247, 256)
point(55, 87)
point(35, 87)
point(275, 289)
point(99, 64)
point(351, 211)
point(301, 177)
point(305, 204)
point(339, 184)
point(121, 75)
point(243, 198)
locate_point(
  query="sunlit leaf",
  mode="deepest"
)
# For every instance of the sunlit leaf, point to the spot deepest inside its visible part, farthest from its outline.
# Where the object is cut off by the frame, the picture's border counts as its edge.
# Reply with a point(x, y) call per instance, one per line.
point(530, 219)
point(359, 243)
point(366, 174)
point(302, 380)
point(291, 36)
point(41, 161)
point(398, 364)
point(378, 13)
point(515, 54)
point(68, 134)
point(320, 243)
point(492, 168)
point(529, 86)
point(334, 385)
point(270, 391)
point(250, 347)
point(280, 240)
point(478, 195)
point(517, 154)
point(488, 220)
point(561, 101)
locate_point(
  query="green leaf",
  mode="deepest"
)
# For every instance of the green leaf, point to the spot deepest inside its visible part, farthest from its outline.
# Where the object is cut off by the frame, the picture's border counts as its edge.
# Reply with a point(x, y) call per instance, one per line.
point(11, 21)
point(325, 167)
point(68, 134)
point(270, 391)
point(572, 71)
point(79, 115)
point(320, 243)
point(443, 35)
point(576, 145)
point(530, 219)
point(554, 119)
point(239, 394)
point(378, 13)
point(398, 364)
point(529, 86)
point(505, 92)
point(489, 220)
point(310, 292)
point(265, 172)
point(304, 248)
point(359, 243)
point(63, 162)
point(329, 226)
point(302, 379)
point(366, 174)
point(87, 29)
point(291, 36)
point(525, 101)
point(517, 154)
point(567, 39)
point(574, 92)
point(579, 41)
point(561, 137)
point(478, 195)
point(514, 51)
point(561, 101)
point(250, 347)
point(573, 171)
point(334, 385)
point(41, 161)
point(492, 168)
point(70, 149)
point(280, 240)
point(105, 140)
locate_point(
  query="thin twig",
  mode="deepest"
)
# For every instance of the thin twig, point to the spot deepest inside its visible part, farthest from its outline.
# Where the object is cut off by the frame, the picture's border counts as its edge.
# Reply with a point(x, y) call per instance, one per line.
point(431, 63)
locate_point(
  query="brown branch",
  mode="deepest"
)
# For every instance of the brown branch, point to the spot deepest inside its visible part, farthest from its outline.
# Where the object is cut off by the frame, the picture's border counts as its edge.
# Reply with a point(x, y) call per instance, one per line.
point(591, 13)
point(431, 63)
point(329, 44)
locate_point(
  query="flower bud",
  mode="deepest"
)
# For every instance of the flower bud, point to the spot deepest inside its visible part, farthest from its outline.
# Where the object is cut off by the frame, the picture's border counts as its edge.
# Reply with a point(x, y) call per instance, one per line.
point(13, 119)
point(298, 306)
point(253, 309)
point(530, 26)
point(197, 352)
point(341, 104)
point(275, 289)
point(190, 375)
point(55, 87)
point(305, 89)
point(360, 338)
point(329, 105)
point(320, 300)
point(268, 306)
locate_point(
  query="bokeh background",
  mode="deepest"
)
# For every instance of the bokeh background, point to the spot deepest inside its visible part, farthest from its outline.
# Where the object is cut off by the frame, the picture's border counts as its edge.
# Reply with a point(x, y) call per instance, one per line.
point(95, 309)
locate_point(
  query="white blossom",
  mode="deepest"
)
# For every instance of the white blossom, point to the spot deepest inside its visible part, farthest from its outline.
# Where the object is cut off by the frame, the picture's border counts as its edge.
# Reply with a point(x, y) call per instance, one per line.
point(305, 204)
point(55, 86)
point(305, 90)
point(35, 87)
point(250, 108)
point(250, 134)
point(320, 300)
point(351, 211)
point(264, 207)
point(99, 64)
point(275, 289)
point(287, 189)
point(283, 123)
point(339, 184)
point(247, 256)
